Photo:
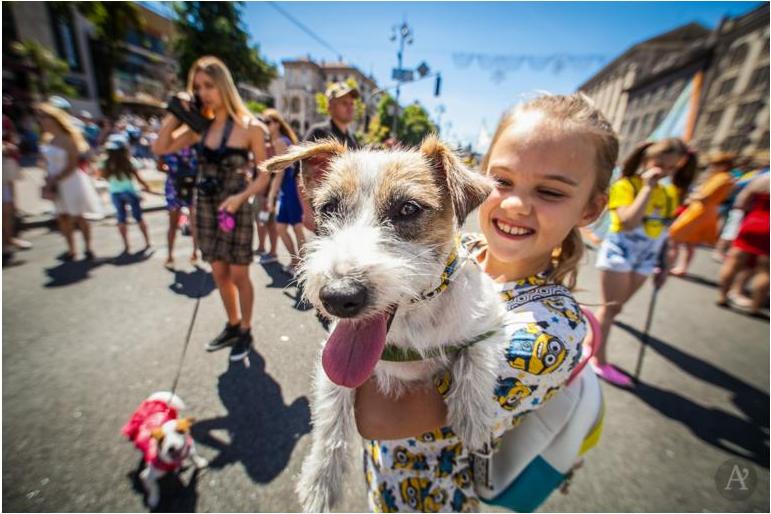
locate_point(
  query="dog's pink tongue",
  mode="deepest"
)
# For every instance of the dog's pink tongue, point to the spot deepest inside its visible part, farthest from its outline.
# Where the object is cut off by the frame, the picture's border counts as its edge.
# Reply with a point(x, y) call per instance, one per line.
point(353, 349)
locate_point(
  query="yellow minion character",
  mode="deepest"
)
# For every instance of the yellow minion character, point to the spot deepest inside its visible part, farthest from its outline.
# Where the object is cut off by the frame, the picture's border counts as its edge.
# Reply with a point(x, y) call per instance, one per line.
point(463, 478)
point(535, 351)
point(384, 499)
point(439, 434)
point(373, 449)
point(550, 393)
point(403, 459)
point(564, 309)
point(510, 392)
point(413, 491)
point(442, 382)
point(435, 500)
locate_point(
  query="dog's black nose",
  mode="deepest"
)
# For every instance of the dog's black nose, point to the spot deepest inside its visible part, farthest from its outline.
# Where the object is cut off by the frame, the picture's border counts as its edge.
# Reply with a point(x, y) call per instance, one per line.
point(343, 298)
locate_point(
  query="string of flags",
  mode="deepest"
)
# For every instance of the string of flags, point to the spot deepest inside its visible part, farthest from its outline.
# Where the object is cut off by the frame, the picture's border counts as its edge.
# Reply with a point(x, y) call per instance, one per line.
point(500, 65)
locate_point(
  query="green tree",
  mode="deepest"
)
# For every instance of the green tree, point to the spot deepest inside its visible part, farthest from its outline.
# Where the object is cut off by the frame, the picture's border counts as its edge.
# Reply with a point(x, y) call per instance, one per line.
point(255, 107)
point(215, 28)
point(47, 72)
point(112, 22)
point(414, 125)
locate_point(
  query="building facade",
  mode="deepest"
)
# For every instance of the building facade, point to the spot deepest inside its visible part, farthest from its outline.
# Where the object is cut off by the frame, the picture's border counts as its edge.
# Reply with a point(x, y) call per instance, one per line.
point(145, 74)
point(734, 113)
point(638, 89)
point(295, 91)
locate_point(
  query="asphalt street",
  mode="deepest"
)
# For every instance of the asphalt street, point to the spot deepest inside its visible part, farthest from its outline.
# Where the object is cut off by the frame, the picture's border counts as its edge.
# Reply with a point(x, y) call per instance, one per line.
point(85, 343)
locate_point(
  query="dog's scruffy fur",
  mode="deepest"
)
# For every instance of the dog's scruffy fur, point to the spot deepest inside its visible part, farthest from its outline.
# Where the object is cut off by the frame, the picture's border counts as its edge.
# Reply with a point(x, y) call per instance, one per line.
point(358, 201)
point(163, 439)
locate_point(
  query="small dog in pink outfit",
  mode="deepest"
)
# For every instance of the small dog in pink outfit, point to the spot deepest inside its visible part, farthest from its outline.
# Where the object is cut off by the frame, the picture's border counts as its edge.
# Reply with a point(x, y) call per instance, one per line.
point(163, 438)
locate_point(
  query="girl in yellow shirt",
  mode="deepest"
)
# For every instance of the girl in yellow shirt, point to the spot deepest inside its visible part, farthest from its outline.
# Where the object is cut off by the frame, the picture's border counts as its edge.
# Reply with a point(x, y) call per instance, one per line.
point(641, 208)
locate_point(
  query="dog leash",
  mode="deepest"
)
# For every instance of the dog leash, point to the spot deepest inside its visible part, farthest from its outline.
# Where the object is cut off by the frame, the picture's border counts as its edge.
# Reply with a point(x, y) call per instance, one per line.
point(189, 334)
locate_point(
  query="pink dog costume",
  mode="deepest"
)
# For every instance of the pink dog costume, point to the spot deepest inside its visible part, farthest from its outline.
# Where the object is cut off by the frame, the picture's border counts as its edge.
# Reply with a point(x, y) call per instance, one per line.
point(149, 415)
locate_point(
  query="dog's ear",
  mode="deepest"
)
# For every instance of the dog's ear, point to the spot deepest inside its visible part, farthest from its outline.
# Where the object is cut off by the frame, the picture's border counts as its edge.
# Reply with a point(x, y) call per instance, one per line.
point(316, 157)
point(157, 433)
point(184, 424)
point(467, 188)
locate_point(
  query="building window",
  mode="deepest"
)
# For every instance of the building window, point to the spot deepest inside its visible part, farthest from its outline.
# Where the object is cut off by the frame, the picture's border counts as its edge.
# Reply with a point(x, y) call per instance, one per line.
point(295, 108)
point(737, 55)
point(632, 126)
point(727, 86)
point(734, 143)
point(714, 118)
point(746, 114)
point(644, 124)
point(659, 116)
point(295, 125)
point(63, 27)
point(759, 79)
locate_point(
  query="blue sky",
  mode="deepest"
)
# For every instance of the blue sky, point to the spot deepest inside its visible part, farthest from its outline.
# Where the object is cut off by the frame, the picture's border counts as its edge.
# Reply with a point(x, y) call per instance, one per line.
point(360, 31)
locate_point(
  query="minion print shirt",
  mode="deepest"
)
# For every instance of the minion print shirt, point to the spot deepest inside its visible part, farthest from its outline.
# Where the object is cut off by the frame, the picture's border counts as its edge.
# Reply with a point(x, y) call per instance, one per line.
point(431, 472)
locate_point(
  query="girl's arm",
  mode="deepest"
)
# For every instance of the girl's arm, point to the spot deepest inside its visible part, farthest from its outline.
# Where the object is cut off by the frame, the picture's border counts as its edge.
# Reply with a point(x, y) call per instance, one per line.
point(257, 146)
point(141, 181)
point(417, 411)
point(173, 136)
point(631, 216)
point(756, 185)
point(280, 147)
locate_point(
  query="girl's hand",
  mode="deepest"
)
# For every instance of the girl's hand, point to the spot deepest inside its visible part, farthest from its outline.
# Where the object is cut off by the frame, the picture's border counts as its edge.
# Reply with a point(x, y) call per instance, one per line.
point(232, 203)
point(652, 176)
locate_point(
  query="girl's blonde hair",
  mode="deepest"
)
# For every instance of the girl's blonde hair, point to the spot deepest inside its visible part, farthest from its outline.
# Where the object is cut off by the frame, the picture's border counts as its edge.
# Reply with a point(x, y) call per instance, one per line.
point(573, 113)
point(285, 129)
point(62, 119)
point(682, 177)
point(220, 74)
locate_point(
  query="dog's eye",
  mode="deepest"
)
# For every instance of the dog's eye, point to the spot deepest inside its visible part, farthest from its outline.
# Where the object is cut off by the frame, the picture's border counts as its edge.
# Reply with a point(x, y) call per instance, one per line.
point(409, 209)
point(329, 208)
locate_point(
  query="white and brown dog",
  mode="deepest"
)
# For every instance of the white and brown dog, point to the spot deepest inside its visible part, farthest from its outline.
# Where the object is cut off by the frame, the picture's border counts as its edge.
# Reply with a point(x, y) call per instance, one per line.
point(387, 266)
point(163, 438)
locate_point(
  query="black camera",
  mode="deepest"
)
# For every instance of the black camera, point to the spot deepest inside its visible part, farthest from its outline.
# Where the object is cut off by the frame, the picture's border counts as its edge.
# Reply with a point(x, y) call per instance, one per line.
point(209, 186)
point(191, 117)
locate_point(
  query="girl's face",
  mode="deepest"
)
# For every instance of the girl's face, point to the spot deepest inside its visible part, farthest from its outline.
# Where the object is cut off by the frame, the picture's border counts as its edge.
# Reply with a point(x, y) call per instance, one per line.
point(545, 187)
point(206, 89)
point(668, 162)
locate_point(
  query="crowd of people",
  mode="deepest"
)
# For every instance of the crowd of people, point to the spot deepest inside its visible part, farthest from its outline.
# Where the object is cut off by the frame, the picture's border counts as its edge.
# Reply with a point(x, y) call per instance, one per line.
point(659, 209)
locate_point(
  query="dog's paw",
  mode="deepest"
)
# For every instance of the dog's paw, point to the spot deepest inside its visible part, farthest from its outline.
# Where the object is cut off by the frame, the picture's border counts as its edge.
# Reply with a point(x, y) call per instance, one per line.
point(199, 462)
point(153, 499)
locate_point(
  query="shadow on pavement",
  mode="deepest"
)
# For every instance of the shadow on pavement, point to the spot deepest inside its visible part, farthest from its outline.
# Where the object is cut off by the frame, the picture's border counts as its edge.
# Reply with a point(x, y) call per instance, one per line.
point(193, 284)
point(714, 426)
point(126, 259)
point(280, 278)
point(68, 273)
point(696, 279)
point(262, 430)
point(175, 495)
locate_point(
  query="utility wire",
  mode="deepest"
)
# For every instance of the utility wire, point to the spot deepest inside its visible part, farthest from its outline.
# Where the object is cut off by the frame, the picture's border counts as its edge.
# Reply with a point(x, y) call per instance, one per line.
point(306, 30)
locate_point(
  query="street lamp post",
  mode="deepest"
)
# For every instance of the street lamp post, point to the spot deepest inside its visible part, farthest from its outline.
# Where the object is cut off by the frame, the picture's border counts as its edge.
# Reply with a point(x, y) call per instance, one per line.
point(404, 35)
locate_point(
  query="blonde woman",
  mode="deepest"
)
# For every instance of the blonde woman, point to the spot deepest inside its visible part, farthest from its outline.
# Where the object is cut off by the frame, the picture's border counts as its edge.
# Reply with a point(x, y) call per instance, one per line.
point(227, 152)
point(284, 198)
point(70, 188)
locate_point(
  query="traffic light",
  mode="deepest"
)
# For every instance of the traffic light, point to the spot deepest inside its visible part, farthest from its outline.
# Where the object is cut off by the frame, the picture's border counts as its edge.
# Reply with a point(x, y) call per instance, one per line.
point(438, 85)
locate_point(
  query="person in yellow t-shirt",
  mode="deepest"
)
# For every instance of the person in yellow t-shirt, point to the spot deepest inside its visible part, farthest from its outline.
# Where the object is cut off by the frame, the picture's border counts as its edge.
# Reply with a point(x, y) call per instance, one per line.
point(641, 208)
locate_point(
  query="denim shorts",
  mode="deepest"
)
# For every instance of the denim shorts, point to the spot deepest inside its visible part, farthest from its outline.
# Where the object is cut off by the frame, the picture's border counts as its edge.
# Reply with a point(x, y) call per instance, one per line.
point(120, 200)
point(630, 251)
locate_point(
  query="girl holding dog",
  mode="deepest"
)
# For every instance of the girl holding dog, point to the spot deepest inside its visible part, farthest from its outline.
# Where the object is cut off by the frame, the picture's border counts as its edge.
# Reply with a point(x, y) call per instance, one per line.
point(551, 159)
point(227, 151)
